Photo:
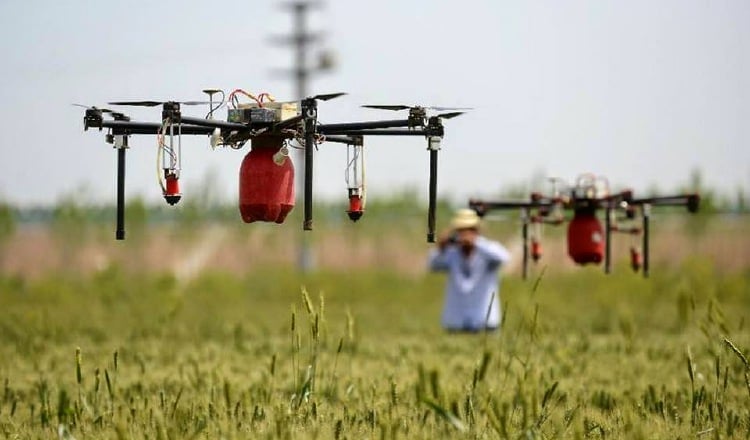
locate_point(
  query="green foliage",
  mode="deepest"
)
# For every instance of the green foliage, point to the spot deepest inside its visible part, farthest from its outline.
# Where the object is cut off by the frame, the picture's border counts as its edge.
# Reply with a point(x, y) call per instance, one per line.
point(698, 222)
point(7, 221)
point(136, 217)
point(71, 217)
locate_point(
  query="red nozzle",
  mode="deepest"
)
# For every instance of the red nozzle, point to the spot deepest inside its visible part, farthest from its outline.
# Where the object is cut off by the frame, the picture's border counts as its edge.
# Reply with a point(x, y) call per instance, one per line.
point(172, 190)
point(355, 207)
point(536, 250)
point(635, 259)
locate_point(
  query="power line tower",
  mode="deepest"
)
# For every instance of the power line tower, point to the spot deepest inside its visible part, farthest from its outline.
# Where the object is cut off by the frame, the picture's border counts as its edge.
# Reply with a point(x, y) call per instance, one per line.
point(302, 41)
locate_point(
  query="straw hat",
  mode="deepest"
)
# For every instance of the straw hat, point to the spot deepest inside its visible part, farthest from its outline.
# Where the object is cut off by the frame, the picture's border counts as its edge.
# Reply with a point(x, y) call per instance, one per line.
point(465, 219)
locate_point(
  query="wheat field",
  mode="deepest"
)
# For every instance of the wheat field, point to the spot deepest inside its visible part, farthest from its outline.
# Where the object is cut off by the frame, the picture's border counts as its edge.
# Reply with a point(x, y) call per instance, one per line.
point(118, 348)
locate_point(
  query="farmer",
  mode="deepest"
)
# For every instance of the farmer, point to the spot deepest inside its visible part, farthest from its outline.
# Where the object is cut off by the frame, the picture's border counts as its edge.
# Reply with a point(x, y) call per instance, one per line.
point(473, 263)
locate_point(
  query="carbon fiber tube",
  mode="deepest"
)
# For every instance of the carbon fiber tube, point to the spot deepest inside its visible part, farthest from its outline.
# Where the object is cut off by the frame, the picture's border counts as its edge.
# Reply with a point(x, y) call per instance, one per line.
point(309, 108)
point(525, 241)
point(433, 196)
point(120, 230)
point(608, 239)
point(366, 125)
point(646, 215)
point(386, 132)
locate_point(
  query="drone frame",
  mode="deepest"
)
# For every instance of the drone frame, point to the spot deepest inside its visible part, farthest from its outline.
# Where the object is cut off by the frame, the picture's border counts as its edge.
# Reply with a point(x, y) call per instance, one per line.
point(611, 203)
point(351, 133)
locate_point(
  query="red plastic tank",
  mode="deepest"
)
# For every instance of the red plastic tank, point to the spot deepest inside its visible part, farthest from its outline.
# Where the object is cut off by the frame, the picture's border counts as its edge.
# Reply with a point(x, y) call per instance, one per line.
point(266, 187)
point(585, 238)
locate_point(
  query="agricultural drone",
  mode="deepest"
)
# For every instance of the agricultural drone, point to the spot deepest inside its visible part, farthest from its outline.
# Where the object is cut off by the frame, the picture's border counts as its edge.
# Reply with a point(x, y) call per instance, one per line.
point(267, 174)
point(588, 241)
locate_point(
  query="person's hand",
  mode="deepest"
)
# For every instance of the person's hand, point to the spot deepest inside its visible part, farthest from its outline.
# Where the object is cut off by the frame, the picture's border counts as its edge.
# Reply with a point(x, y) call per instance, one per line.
point(445, 238)
point(467, 238)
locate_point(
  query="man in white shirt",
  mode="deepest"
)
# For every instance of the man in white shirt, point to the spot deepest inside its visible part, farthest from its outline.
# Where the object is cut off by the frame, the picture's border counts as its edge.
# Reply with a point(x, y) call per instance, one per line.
point(472, 263)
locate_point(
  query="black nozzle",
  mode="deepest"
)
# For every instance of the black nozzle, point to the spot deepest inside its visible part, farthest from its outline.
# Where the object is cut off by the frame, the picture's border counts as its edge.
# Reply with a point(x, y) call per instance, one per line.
point(693, 202)
point(354, 215)
point(172, 199)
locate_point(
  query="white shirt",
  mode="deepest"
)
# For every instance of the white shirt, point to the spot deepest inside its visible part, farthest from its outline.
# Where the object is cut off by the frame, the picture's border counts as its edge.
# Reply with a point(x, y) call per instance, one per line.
point(472, 283)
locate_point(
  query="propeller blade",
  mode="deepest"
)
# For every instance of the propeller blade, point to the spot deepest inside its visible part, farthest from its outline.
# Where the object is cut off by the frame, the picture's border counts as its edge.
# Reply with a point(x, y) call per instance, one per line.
point(137, 103)
point(442, 109)
point(387, 107)
point(155, 103)
point(93, 107)
point(328, 96)
point(449, 115)
point(408, 107)
point(118, 116)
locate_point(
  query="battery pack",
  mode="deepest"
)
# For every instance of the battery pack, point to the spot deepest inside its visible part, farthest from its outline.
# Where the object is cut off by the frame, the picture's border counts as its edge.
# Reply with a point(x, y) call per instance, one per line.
point(254, 115)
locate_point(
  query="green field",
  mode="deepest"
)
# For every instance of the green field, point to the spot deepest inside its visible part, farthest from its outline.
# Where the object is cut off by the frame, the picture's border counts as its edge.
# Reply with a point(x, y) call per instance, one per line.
point(579, 355)
point(200, 327)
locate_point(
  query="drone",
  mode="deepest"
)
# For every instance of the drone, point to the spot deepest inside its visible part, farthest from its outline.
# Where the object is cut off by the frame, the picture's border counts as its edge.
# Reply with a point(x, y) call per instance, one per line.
point(272, 127)
point(588, 242)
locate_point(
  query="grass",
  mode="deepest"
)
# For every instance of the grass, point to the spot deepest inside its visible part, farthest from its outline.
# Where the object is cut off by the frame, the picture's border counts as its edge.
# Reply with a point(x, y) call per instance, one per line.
point(361, 355)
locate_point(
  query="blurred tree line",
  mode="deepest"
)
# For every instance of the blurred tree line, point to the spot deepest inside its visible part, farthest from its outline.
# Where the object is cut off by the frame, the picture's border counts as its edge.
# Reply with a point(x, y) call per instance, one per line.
point(75, 217)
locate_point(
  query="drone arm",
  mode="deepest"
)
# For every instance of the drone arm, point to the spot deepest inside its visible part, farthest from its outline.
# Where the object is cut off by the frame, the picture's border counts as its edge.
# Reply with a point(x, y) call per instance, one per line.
point(388, 132)
point(366, 125)
point(213, 123)
point(484, 206)
point(348, 140)
point(691, 201)
point(129, 127)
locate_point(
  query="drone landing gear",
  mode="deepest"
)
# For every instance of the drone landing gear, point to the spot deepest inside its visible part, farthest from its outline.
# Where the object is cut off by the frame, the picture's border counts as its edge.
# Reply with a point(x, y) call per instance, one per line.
point(121, 146)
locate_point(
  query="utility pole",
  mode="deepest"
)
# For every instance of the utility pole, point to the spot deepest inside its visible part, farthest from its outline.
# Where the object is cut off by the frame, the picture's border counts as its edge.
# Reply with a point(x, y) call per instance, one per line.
point(302, 40)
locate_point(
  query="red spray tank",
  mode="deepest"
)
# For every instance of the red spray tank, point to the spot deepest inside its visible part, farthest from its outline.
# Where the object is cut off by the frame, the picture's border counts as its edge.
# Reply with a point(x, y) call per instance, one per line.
point(266, 181)
point(586, 238)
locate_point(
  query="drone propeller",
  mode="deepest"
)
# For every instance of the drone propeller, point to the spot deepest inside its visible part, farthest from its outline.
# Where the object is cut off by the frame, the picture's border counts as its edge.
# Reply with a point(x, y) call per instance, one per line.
point(155, 103)
point(387, 107)
point(328, 96)
point(93, 107)
point(449, 115)
point(115, 114)
point(408, 107)
point(442, 109)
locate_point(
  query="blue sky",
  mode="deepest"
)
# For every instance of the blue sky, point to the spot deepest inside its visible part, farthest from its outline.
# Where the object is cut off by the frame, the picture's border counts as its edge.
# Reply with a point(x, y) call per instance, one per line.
point(640, 91)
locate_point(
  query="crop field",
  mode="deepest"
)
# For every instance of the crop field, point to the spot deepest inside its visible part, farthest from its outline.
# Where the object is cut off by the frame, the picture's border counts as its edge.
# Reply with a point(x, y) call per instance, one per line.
point(119, 352)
